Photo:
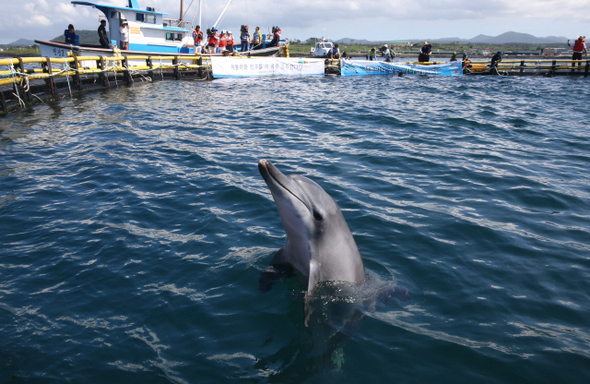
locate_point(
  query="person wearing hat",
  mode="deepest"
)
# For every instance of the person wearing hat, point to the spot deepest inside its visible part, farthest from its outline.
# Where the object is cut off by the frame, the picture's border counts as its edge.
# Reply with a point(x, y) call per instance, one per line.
point(222, 41)
point(103, 37)
point(496, 59)
point(70, 35)
point(230, 41)
point(579, 48)
point(124, 31)
point(387, 53)
point(425, 52)
point(276, 37)
point(213, 40)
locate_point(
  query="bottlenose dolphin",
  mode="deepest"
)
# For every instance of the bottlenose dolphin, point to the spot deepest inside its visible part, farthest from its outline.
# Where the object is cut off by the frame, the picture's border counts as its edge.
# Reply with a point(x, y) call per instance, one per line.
point(320, 247)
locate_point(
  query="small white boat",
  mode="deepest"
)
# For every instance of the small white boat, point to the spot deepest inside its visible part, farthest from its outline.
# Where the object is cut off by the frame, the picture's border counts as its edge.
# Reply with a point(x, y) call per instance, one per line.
point(322, 48)
point(151, 33)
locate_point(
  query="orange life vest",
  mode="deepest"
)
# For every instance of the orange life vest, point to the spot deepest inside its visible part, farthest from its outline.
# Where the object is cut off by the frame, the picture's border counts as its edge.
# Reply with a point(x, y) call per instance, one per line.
point(198, 36)
point(579, 45)
point(222, 41)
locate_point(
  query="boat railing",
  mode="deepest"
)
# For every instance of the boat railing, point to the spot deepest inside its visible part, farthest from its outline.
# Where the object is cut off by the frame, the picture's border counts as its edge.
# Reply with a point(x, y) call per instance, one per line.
point(185, 24)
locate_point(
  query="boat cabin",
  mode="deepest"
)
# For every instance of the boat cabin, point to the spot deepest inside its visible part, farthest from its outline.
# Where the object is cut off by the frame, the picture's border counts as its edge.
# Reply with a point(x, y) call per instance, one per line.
point(149, 31)
point(322, 48)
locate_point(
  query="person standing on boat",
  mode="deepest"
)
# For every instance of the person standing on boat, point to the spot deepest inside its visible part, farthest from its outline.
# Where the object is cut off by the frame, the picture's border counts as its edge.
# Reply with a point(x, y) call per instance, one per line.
point(198, 38)
point(579, 48)
point(372, 54)
point(425, 52)
point(256, 38)
point(245, 38)
point(276, 37)
point(230, 41)
point(222, 41)
point(70, 35)
point(124, 31)
point(212, 40)
point(102, 34)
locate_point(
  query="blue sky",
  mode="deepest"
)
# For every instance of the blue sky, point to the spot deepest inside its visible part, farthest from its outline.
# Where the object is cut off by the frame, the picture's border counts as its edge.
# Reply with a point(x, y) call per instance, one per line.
point(333, 19)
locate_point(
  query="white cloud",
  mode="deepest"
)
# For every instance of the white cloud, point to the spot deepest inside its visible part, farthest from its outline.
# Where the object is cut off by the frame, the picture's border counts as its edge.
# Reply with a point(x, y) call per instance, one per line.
point(370, 19)
point(39, 20)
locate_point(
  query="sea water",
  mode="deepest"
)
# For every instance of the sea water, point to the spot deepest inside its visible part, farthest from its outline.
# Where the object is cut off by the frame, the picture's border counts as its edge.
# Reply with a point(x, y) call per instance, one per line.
point(134, 226)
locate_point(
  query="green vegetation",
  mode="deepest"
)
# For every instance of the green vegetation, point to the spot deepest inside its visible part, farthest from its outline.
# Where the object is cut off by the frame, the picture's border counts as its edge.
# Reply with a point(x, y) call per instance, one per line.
point(10, 50)
point(299, 47)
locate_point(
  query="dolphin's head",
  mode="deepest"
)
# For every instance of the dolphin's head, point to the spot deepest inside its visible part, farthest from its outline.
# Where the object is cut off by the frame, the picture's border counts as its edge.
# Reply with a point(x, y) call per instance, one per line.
point(320, 245)
point(301, 202)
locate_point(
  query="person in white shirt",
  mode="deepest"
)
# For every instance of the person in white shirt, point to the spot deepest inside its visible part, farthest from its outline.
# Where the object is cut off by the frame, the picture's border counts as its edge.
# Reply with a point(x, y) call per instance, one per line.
point(334, 52)
point(124, 31)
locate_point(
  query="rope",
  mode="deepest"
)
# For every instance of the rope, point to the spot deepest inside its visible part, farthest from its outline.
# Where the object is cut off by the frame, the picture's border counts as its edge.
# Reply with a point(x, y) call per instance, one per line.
point(24, 82)
point(115, 72)
point(67, 69)
point(14, 74)
point(20, 101)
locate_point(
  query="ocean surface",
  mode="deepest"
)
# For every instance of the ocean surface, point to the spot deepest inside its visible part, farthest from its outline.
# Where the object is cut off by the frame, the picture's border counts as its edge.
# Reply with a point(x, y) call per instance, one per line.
point(134, 227)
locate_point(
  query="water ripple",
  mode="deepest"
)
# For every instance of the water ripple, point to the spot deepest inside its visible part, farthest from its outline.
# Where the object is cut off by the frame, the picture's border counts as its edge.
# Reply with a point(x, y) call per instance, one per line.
point(134, 226)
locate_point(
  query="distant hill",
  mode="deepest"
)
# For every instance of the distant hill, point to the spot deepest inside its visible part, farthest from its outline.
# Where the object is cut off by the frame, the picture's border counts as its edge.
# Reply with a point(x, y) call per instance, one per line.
point(85, 36)
point(22, 42)
point(505, 38)
point(347, 40)
point(517, 37)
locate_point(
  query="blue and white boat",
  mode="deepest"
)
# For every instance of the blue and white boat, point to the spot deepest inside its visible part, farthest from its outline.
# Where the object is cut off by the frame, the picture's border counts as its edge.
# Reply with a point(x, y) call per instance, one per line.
point(151, 33)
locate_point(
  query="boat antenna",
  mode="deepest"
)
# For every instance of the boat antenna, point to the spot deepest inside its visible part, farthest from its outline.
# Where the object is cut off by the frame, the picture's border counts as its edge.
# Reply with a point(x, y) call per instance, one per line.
point(222, 13)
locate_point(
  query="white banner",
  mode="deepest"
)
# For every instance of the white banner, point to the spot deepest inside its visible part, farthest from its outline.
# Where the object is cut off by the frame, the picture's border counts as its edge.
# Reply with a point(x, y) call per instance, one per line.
point(265, 66)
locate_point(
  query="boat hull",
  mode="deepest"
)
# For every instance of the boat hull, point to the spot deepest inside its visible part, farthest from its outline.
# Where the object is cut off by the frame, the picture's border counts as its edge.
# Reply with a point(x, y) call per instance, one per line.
point(62, 50)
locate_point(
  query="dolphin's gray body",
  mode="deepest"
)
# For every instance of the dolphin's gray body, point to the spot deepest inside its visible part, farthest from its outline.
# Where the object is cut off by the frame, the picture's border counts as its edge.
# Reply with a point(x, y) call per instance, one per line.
point(319, 244)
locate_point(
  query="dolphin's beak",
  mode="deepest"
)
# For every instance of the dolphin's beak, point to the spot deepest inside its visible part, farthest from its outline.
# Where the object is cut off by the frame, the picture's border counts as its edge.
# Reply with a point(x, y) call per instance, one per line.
point(278, 183)
point(271, 174)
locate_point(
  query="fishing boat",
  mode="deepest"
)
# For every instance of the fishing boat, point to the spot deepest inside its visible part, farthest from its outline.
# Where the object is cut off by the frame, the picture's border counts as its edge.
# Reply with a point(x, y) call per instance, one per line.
point(322, 48)
point(151, 33)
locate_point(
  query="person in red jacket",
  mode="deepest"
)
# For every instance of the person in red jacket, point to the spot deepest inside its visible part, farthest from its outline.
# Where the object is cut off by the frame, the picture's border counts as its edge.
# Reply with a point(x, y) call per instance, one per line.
point(230, 41)
point(198, 38)
point(579, 48)
point(212, 40)
point(222, 41)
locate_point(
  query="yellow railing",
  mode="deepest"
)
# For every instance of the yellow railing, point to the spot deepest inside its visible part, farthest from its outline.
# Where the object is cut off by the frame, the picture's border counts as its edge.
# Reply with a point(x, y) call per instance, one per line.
point(111, 64)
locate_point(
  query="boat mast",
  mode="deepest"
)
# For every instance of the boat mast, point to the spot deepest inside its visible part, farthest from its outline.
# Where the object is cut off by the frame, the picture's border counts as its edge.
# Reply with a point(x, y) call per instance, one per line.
point(200, 11)
point(222, 13)
point(181, 11)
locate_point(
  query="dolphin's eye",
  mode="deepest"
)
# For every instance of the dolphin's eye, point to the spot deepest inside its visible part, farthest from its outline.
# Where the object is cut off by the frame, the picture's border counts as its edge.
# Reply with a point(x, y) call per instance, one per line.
point(318, 216)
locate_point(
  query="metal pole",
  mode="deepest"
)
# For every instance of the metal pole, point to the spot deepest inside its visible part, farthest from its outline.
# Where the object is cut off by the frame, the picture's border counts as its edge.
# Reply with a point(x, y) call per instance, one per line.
point(222, 13)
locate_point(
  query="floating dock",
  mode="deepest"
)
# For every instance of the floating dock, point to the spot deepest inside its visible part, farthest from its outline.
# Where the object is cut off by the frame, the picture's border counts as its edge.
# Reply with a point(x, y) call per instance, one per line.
point(59, 78)
point(26, 81)
point(546, 68)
